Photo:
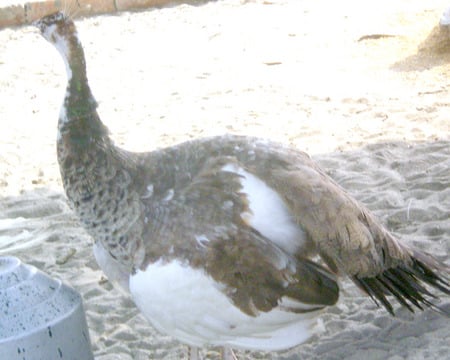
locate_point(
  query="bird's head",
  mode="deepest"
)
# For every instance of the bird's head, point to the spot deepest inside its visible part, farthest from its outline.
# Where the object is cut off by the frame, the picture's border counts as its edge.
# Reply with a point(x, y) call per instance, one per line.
point(56, 28)
point(59, 30)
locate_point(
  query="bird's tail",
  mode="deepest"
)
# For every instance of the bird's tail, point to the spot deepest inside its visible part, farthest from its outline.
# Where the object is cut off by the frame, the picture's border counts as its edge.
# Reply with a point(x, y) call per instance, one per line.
point(408, 282)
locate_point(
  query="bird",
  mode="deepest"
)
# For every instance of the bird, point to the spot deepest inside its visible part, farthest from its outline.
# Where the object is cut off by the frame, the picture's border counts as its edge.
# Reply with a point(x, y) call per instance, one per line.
point(228, 241)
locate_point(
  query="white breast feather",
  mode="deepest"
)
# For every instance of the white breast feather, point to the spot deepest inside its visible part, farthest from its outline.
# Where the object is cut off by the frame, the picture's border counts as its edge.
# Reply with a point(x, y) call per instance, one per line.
point(268, 212)
point(189, 305)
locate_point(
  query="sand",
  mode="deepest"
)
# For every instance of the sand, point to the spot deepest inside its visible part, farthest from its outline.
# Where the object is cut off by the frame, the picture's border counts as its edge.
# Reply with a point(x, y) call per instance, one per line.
point(372, 110)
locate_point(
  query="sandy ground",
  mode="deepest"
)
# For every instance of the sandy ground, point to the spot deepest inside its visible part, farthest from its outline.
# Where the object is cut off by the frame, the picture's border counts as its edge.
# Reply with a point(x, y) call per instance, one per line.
point(374, 113)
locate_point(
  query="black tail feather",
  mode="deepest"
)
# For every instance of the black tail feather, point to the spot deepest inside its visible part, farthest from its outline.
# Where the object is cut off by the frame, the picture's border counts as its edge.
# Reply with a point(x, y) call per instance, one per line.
point(392, 288)
point(371, 287)
point(407, 283)
point(427, 275)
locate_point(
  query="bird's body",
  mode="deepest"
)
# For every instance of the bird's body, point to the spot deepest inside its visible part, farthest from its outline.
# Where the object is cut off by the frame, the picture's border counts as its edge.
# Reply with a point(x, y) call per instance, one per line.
point(215, 238)
point(177, 194)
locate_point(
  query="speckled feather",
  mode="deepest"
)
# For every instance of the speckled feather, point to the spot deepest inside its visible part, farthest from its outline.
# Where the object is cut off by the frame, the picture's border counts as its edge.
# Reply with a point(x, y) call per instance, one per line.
point(191, 205)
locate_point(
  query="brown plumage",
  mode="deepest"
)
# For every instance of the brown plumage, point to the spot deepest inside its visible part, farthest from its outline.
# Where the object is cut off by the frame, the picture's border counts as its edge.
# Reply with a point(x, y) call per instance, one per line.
point(245, 215)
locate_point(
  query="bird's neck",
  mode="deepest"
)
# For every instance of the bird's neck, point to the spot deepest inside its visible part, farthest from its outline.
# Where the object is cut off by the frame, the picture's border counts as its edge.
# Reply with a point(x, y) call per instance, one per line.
point(95, 176)
point(79, 122)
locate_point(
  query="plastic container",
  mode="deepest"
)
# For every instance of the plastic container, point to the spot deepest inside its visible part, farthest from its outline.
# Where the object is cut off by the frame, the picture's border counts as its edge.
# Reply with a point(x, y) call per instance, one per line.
point(40, 318)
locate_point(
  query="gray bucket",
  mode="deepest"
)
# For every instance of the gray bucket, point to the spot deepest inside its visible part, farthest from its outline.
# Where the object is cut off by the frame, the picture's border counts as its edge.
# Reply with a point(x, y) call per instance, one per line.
point(40, 318)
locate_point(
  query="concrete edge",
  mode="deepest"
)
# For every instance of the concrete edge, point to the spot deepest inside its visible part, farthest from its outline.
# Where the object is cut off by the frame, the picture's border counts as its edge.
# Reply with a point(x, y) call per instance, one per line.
point(24, 14)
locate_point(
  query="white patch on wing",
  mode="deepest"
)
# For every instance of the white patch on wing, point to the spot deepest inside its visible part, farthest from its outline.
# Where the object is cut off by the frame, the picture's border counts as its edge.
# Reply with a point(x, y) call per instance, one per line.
point(289, 303)
point(268, 212)
point(168, 195)
point(202, 240)
point(149, 192)
point(189, 305)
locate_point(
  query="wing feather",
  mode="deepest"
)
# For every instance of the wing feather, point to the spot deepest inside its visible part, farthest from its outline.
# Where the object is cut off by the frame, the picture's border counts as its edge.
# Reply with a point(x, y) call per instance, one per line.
point(350, 239)
point(256, 273)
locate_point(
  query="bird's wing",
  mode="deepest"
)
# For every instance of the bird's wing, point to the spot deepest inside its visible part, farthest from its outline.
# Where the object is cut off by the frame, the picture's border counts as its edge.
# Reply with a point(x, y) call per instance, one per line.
point(259, 276)
point(205, 224)
point(350, 239)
